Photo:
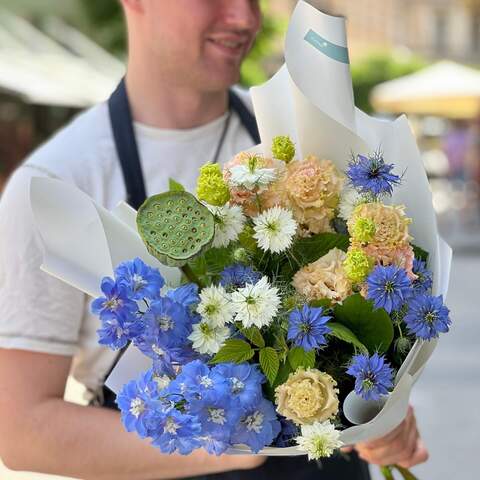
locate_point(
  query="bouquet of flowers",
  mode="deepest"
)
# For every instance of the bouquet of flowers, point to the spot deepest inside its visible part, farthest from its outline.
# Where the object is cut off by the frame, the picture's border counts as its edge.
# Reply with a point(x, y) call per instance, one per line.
point(288, 307)
point(301, 285)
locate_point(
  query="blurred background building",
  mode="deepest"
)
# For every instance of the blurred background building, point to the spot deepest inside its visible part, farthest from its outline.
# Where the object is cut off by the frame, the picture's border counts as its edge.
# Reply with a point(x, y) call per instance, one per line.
point(419, 57)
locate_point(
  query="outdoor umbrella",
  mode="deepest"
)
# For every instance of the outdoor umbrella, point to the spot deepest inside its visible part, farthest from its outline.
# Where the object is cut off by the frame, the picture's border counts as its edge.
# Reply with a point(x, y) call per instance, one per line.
point(445, 89)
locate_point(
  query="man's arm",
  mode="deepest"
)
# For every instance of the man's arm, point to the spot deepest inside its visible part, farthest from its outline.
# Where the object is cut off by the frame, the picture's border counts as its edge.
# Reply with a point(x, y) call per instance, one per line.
point(41, 432)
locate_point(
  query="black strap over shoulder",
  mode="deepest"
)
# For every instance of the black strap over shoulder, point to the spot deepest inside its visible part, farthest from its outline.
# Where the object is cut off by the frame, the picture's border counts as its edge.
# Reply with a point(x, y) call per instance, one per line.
point(246, 117)
point(126, 145)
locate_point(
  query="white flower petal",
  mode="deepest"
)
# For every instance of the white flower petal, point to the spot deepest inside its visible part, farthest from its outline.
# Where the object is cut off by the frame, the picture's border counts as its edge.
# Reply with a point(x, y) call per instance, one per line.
point(229, 223)
point(243, 176)
point(319, 440)
point(256, 304)
point(208, 339)
point(215, 306)
point(275, 229)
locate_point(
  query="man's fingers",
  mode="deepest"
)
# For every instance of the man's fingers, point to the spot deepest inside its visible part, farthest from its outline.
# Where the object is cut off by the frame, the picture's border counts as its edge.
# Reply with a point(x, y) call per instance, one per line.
point(346, 449)
point(420, 455)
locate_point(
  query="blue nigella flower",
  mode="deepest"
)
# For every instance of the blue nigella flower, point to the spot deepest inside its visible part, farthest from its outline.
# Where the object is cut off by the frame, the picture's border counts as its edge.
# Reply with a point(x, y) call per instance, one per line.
point(142, 281)
point(427, 317)
point(287, 434)
point(238, 275)
point(373, 376)
point(389, 287)
point(258, 427)
point(117, 299)
point(186, 295)
point(307, 327)
point(423, 283)
point(117, 331)
point(244, 381)
point(371, 175)
point(179, 432)
point(137, 402)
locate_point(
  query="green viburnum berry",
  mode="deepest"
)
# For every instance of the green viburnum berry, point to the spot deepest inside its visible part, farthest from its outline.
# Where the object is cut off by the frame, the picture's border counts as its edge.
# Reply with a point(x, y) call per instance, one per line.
point(364, 230)
point(283, 148)
point(211, 187)
point(357, 265)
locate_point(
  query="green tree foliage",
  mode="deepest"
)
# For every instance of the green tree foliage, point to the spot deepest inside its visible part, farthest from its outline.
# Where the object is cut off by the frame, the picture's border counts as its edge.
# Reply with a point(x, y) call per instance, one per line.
point(379, 67)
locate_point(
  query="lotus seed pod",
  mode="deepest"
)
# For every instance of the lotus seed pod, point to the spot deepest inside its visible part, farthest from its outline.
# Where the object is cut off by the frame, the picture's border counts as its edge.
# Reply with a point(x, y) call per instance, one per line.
point(175, 227)
point(283, 148)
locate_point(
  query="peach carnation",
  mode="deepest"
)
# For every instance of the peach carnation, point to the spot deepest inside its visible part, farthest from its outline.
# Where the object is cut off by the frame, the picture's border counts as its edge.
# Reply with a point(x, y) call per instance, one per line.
point(312, 190)
point(401, 257)
point(391, 225)
point(324, 278)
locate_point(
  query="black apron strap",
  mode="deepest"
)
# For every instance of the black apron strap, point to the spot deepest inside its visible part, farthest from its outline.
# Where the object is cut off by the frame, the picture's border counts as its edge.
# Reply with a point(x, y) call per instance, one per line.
point(246, 117)
point(126, 146)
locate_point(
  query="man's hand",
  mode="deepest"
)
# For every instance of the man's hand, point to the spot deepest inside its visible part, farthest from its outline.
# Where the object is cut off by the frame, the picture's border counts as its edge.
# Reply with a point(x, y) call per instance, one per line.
point(402, 446)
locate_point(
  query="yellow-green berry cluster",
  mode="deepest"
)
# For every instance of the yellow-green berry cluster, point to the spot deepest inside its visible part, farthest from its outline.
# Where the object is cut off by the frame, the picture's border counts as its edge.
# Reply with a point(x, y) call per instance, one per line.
point(283, 148)
point(211, 187)
point(357, 265)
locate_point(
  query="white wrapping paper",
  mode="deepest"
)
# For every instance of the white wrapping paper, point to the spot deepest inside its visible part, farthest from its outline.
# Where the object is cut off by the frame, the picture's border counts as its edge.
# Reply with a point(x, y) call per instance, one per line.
point(311, 100)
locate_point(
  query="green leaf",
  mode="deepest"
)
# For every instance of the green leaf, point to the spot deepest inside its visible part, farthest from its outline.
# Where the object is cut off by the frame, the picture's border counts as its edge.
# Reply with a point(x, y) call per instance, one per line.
point(324, 303)
point(307, 250)
point(298, 357)
point(373, 328)
point(346, 335)
point(234, 350)
point(280, 345)
point(420, 253)
point(270, 363)
point(254, 335)
point(174, 186)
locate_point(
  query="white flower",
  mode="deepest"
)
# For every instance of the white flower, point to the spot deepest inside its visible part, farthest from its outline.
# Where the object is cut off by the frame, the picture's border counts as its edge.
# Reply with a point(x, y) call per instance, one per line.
point(319, 440)
point(256, 304)
point(250, 177)
point(274, 229)
point(229, 222)
point(215, 306)
point(207, 339)
point(349, 199)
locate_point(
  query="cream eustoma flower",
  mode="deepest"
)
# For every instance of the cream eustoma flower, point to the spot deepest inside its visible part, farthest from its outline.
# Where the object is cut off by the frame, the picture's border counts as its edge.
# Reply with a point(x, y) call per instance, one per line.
point(274, 229)
point(256, 304)
point(307, 396)
point(215, 306)
point(229, 223)
point(208, 339)
point(319, 440)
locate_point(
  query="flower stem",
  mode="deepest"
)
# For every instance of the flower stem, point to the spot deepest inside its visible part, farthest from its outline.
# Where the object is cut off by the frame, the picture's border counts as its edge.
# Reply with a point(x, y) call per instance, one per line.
point(387, 473)
point(405, 473)
point(192, 276)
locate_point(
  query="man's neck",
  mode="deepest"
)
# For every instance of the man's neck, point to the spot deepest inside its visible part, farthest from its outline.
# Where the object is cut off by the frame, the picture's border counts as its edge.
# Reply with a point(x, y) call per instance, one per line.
point(161, 105)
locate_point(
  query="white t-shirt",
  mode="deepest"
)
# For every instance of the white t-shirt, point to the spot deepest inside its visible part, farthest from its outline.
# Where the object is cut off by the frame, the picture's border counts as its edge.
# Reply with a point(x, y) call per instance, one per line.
point(42, 314)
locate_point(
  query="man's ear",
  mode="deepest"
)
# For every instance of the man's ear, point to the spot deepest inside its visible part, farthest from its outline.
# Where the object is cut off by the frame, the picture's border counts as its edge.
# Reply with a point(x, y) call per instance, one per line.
point(133, 5)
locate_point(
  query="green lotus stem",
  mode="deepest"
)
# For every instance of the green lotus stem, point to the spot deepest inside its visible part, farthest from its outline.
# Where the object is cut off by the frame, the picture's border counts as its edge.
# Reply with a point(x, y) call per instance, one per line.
point(192, 276)
point(405, 473)
point(387, 473)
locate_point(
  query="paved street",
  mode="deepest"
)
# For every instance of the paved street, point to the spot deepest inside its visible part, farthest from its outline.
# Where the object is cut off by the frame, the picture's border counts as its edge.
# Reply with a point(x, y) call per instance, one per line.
point(447, 396)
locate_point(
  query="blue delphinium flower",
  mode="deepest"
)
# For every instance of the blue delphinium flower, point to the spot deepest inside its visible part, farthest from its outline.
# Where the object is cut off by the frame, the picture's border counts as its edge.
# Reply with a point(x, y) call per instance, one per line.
point(287, 433)
point(373, 376)
point(238, 275)
point(117, 299)
point(117, 331)
point(371, 175)
point(258, 427)
point(137, 403)
point(307, 327)
point(186, 295)
point(142, 281)
point(427, 317)
point(168, 322)
point(178, 432)
point(244, 380)
point(423, 283)
point(389, 287)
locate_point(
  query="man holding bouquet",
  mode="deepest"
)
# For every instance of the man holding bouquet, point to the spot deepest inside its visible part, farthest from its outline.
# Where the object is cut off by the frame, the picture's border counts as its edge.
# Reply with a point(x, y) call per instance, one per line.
point(175, 111)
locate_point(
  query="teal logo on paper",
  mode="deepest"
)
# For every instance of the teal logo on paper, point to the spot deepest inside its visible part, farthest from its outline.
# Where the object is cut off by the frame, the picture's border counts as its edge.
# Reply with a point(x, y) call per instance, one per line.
point(335, 52)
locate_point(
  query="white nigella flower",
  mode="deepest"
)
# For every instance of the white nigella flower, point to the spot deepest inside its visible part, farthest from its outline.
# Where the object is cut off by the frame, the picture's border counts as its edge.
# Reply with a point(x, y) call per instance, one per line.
point(274, 229)
point(215, 306)
point(256, 304)
point(207, 339)
point(349, 199)
point(252, 175)
point(229, 222)
point(319, 440)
